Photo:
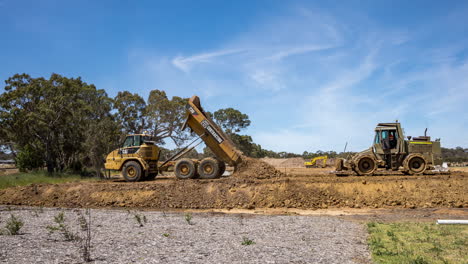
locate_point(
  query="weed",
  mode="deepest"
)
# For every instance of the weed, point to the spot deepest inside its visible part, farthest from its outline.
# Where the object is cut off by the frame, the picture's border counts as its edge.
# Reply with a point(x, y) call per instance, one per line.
point(141, 220)
point(61, 227)
point(247, 242)
point(166, 235)
point(13, 226)
point(376, 243)
point(371, 225)
point(188, 218)
point(418, 260)
point(85, 241)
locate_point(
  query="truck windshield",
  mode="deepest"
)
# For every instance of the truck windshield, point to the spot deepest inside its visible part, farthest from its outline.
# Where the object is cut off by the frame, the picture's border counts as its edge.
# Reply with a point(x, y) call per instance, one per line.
point(377, 137)
point(128, 142)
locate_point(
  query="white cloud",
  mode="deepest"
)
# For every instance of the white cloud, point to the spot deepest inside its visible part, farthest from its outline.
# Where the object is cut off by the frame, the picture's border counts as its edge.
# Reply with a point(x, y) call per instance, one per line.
point(330, 81)
point(185, 63)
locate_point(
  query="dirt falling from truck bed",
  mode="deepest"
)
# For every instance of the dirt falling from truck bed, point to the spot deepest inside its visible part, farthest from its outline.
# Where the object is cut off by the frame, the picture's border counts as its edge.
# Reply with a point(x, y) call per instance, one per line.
point(255, 168)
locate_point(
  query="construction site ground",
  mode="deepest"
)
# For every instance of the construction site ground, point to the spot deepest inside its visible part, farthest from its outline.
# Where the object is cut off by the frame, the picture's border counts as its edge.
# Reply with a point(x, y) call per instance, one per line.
point(289, 214)
point(256, 186)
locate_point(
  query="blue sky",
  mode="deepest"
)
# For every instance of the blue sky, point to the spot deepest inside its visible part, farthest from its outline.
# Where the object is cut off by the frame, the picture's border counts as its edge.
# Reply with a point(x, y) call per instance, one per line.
point(311, 75)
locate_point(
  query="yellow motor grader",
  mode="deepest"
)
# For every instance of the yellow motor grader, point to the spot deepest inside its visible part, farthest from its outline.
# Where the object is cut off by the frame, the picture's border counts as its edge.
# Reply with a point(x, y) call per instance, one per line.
point(390, 150)
point(138, 157)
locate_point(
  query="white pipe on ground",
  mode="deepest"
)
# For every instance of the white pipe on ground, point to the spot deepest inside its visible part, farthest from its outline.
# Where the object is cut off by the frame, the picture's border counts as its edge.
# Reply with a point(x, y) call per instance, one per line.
point(452, 222)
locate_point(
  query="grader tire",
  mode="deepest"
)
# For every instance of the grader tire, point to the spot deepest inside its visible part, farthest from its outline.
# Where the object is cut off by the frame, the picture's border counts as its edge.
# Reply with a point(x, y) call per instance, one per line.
point(132, 171)
point(365, 165)
point(185, 169)
point(209, 168)
point(414, 164)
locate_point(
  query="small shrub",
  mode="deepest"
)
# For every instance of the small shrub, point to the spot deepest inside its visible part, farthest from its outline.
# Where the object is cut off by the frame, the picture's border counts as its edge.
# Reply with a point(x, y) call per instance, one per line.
point(166, 235)
point(13, 226)
point(141, 220)
point(371, 225)
point(85, 241)
point(247, 242)
point(61, 227)
point(188, 218)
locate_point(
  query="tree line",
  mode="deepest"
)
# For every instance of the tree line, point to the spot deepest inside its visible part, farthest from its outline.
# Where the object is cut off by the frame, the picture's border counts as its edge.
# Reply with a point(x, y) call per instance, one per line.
point(66, 124)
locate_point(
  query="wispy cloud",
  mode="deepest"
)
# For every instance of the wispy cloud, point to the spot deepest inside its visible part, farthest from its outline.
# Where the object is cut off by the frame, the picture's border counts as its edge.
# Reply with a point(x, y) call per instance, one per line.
point(185, 63)
point(313, 81)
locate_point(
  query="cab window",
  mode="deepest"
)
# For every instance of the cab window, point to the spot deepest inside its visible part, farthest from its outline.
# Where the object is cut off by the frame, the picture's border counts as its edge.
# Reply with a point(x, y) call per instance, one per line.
point(377, 137)
point(384, 134)
point(128, 142)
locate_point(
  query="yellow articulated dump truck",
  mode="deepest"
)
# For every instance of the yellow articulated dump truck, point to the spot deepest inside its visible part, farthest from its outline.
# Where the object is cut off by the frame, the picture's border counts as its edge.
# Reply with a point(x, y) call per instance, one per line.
point(138, 158)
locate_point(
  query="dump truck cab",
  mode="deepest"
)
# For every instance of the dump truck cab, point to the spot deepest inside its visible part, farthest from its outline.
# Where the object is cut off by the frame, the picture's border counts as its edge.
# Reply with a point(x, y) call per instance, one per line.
point(137, 158)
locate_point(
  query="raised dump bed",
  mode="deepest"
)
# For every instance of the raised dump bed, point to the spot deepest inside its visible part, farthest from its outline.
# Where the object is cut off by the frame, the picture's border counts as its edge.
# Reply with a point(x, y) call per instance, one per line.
point(215, 139)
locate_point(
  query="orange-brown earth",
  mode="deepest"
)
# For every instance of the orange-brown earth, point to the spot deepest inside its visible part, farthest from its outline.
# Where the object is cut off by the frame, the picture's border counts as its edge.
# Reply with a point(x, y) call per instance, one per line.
point(255, 185)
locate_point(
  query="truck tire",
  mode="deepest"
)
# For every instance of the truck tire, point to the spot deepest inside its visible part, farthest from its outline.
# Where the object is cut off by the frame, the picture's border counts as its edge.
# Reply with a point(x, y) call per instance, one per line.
point(222, 167)
point(132, 171)
point(185, 169)
point(365, 165)
point(209, 168)
point(414, 164)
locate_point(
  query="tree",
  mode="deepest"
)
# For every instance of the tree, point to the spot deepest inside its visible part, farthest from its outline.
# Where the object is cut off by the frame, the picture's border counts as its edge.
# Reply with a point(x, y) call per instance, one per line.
point(50, 117)
point(131, 112)
point(166, 117)
point(231, 120)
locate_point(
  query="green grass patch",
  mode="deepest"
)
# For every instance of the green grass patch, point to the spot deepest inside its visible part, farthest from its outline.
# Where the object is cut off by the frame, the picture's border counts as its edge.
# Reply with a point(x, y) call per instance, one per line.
point(22, 179)
point(418, 243)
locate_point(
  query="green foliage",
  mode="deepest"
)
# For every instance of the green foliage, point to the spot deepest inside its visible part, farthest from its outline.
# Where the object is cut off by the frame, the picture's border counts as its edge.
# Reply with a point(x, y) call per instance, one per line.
point(29, 159)
point(231, 120)
point(61, 227)
point(13, 226)
point(247, 242)
point(22, 179)
point(417, 243)
point(131, 112)
point(166, 235)
point(457, 154)
point(54, 117)
point(166, 117)
point(188, 218)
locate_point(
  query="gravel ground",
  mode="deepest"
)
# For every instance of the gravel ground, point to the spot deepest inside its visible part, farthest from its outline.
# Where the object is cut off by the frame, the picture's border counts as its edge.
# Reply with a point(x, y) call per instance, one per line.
point(169, 238)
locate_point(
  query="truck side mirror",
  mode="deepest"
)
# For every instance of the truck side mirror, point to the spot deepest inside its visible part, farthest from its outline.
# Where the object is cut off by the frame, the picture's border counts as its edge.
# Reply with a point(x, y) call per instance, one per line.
point(409, 137)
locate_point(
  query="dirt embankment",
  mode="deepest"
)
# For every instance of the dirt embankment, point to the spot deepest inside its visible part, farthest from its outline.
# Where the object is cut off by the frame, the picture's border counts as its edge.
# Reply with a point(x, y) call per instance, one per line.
point(254, 185)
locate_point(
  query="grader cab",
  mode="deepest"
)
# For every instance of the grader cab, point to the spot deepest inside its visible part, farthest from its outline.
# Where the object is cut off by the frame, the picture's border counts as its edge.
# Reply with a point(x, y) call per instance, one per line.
point(391, 151)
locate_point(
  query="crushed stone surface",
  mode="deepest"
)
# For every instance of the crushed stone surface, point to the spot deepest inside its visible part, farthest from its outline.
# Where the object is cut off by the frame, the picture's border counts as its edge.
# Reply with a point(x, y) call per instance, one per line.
point(169, 238)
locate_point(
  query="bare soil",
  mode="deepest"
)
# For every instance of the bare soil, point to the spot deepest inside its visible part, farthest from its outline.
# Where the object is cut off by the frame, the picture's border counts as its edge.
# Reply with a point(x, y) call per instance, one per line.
point(255, 184)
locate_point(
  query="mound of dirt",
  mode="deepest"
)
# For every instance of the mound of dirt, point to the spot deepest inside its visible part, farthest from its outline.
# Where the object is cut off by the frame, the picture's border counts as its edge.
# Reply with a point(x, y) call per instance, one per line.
point(255, 168)
point(285, 163)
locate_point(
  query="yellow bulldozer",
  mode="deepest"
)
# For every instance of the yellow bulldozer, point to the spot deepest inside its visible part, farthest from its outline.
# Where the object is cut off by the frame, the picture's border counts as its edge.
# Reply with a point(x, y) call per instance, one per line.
point(138, 156)
point(313, 162)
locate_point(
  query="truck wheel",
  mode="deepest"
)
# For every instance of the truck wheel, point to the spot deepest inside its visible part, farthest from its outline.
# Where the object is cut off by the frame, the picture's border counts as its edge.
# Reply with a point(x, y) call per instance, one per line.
point(222, 168)
point(209, 168)
point(365, 165)
point(415, 164)
point(185, 169)
point(132, 171)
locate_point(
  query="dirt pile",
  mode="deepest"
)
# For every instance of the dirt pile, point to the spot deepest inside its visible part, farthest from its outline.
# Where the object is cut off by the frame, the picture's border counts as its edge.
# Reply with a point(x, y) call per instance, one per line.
point(255, 168)
point(292, 191)
point(285, 163)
